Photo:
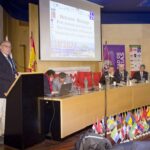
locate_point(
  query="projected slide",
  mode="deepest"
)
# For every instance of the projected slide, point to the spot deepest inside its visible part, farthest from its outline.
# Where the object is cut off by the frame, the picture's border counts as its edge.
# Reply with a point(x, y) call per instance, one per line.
point(71, 31)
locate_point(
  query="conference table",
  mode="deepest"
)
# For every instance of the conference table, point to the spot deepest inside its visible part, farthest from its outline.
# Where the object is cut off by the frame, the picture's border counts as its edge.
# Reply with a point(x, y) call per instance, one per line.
point(72, 113)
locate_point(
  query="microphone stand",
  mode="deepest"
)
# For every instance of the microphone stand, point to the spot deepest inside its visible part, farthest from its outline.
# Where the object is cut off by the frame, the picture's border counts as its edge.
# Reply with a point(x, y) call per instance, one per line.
point(105, 104)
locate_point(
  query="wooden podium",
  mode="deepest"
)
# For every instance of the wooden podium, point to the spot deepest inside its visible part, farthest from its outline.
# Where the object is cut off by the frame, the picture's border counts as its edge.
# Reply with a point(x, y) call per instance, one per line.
point(23, 124)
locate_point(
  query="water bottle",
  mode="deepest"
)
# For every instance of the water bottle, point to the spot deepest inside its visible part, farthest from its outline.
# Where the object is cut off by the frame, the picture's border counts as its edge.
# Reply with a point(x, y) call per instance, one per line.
point(143, 80)
point(149, 77)
point(85, 84)
point(79, 90)
point(100, 86)
point(107, 81)
point(128, 80)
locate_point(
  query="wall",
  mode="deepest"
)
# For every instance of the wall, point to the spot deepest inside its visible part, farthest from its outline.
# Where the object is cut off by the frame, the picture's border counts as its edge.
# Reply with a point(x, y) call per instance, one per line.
point(18, 34)
point(112, 33)
point(1, 23)
point(44, 65)
point(129, 34)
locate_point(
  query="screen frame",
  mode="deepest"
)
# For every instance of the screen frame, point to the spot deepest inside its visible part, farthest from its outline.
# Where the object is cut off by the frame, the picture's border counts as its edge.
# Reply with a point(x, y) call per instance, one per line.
point(98, 19)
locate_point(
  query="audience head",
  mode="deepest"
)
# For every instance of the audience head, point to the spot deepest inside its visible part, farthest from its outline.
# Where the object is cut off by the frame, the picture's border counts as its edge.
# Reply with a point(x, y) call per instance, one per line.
point(142, 67)
point(121, 67)
point(5, 47)
point(50, 73)
point(62, 77)
point(111, 69)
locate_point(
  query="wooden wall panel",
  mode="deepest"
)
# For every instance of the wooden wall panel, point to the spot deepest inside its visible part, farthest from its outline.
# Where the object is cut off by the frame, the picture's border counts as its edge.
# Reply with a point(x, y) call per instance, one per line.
point(129, 34)
point(1, 23)
point(18, 34)
point(112, 33)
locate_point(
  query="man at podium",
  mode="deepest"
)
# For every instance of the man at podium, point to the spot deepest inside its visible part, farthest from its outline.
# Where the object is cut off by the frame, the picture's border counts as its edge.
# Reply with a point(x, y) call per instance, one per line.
point(7, 76)
point(7, 69)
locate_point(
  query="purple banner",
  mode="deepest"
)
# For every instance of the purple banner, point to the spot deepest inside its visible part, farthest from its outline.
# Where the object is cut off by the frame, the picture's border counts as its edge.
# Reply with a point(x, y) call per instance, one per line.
point(113, 54)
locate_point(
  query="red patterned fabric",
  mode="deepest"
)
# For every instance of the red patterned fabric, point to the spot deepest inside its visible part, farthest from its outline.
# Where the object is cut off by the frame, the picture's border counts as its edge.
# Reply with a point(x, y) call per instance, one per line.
point(96, 77)
point(50, 83)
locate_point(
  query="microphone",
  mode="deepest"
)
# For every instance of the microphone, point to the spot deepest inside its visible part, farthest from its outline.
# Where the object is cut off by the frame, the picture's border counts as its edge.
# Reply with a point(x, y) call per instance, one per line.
point(107, 80)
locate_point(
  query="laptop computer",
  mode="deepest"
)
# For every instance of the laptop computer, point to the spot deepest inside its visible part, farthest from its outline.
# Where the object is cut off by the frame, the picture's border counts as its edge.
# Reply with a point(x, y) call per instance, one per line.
point(65, 89)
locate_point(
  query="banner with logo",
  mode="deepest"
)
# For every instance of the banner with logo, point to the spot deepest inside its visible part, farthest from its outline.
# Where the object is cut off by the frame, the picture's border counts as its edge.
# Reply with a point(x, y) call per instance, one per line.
point(113, 55)
point(135, 57)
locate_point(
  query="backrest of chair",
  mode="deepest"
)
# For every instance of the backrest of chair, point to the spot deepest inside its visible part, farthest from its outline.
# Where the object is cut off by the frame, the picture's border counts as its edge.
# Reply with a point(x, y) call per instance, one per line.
point(81, 77)
point(132, 73)
point(88, 75)
point(96, 78)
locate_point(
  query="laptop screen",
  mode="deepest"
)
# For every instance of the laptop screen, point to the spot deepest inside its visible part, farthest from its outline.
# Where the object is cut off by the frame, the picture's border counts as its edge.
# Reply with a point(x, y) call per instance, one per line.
point(65, 89)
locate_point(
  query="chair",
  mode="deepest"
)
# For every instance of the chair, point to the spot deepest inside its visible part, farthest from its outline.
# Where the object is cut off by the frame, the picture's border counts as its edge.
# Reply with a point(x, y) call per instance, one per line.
point(96, 78)
point(88, 75)
point(132, 73)
point(80, 79)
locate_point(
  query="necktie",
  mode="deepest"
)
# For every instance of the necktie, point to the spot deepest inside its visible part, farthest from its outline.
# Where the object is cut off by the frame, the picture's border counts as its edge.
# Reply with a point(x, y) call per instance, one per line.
point(12, 65)
point(141, 73)
point(122, 76)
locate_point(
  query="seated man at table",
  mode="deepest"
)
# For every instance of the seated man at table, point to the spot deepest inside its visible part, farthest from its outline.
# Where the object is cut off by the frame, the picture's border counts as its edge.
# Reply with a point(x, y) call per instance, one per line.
point(62, 78)
point(121, 74)
point(48, 82)
point(141, 75)
point(109, 75)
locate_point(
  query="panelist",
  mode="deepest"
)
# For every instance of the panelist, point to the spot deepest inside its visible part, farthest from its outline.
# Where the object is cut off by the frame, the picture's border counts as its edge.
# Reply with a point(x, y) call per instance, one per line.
point(7, 68)
point(62, 78)
point(141, 75)
point(121, 74)
point(110, 74)
point(48, 81)
point(8, 74)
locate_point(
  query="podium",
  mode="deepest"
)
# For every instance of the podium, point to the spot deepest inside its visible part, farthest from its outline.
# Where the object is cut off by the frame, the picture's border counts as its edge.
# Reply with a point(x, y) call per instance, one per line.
point(23, 124)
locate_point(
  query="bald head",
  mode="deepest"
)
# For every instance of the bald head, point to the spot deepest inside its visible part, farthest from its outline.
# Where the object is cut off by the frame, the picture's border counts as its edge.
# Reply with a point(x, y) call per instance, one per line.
point(5, 47)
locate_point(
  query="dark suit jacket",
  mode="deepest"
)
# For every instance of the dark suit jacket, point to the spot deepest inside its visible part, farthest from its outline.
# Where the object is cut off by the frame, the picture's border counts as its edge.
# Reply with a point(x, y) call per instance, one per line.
point(137, 76)
point(6, 75)
point(103, 81)
point(46, 86)
point(118, 76)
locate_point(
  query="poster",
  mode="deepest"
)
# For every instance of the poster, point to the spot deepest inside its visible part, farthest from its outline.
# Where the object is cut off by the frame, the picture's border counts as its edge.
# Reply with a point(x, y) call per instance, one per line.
point(135, 57)
point(113, 55)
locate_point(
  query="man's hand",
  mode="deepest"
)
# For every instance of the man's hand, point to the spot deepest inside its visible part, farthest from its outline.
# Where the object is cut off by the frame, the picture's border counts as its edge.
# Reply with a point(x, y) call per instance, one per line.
point(54, 92)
